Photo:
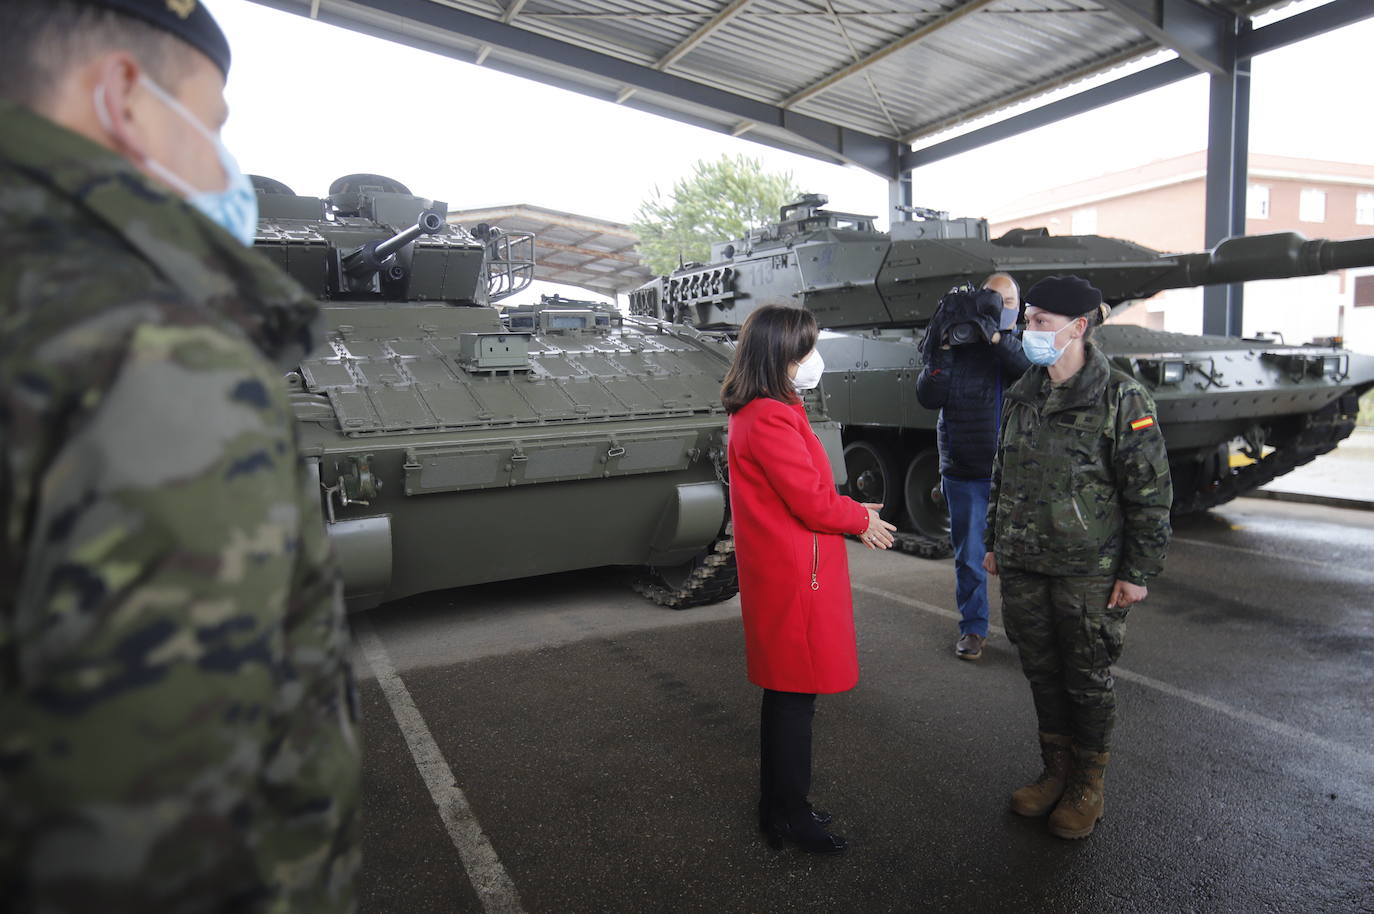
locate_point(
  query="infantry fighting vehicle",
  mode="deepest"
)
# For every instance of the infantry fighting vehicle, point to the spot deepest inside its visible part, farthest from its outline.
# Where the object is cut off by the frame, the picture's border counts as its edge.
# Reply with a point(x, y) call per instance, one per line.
point(456, 444)
point(877, 291)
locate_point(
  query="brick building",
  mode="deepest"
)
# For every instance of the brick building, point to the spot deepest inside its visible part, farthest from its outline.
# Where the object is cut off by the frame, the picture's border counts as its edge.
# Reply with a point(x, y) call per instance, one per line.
point(1161, 205)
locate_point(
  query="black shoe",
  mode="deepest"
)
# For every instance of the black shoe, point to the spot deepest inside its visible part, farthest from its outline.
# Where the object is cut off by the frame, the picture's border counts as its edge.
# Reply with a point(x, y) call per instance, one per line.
point(819, 816)
point(970, 647)
point(812, 838)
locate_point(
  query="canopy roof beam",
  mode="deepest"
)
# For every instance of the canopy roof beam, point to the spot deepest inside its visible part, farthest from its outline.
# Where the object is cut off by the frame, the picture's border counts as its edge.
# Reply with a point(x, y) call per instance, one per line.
point(685, 47)
point(906, 41)
point(508, 16)
point(1202, 36)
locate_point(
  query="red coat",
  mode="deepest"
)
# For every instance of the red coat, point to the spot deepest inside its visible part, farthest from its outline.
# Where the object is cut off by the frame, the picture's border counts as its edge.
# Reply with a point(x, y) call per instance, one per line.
point(793, 569)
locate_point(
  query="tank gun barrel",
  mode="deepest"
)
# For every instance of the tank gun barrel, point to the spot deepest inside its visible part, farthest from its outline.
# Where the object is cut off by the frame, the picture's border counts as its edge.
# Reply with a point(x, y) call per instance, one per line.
point(1275, 256)
point(369, 258)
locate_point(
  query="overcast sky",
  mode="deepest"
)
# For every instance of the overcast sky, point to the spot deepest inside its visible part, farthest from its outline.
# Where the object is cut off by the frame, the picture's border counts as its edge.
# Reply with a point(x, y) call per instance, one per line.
point(311, 102)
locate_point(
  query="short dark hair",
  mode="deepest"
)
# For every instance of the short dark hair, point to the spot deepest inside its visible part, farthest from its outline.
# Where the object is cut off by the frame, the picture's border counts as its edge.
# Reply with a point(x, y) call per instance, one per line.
point(772, 338)
point(43, 39)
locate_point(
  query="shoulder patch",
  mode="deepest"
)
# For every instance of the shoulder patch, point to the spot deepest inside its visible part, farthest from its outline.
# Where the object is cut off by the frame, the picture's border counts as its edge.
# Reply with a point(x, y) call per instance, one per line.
point(1143, 422)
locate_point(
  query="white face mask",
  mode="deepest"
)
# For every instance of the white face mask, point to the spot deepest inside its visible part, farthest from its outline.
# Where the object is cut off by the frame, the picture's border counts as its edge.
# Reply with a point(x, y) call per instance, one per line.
point(1039, 345)
point(809, 371)
point(235, 208)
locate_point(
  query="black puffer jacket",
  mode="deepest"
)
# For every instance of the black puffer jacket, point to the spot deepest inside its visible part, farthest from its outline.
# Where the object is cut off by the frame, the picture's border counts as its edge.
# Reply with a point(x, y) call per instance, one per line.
point(965, 384)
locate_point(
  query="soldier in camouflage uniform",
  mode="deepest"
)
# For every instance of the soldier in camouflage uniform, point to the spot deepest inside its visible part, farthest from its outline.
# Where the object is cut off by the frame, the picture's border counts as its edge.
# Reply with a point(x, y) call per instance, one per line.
point(1078, 523)
point(177, 710)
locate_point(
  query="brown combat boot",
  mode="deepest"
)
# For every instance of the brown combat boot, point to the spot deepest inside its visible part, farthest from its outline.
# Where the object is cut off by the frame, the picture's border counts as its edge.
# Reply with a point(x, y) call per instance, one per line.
point(1083, 800)
point(1039, 797)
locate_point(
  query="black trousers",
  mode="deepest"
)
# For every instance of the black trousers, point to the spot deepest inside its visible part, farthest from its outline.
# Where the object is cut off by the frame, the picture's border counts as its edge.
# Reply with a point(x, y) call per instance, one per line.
point(785, 752)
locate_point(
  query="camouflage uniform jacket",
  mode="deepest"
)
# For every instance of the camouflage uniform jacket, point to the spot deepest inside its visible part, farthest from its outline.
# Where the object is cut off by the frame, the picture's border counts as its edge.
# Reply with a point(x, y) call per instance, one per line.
point(1081, 483)
point(177, 710)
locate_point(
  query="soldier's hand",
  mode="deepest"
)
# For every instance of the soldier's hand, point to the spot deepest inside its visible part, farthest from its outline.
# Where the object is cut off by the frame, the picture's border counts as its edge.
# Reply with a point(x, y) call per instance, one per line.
point(879, 532)
point(990, 563)
point(1124, 593)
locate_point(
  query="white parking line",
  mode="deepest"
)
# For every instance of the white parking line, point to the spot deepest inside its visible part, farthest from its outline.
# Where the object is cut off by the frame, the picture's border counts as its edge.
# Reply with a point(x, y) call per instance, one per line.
point(1343, 567)
point(489, 878)
point(1349, 753)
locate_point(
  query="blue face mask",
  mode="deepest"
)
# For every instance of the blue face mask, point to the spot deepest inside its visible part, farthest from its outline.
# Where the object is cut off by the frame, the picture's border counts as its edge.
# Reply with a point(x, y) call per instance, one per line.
point(1009, 316)
point(1038, 345)
point(235, 208)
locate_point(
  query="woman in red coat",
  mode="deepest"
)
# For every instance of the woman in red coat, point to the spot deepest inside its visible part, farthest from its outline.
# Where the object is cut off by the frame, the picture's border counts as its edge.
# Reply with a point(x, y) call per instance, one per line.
point(793, 569)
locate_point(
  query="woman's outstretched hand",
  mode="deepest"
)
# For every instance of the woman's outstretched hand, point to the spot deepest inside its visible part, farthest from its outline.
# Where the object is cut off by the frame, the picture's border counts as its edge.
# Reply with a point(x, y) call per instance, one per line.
point(878, 535)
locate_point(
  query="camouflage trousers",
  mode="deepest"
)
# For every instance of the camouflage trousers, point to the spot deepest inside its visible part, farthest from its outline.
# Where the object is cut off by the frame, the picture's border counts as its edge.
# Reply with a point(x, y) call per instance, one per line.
point(1068, 640)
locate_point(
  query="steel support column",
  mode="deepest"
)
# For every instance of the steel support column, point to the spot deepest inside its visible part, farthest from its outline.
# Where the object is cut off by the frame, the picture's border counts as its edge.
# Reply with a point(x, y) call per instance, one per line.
point(1228, 146)
point(899, 195)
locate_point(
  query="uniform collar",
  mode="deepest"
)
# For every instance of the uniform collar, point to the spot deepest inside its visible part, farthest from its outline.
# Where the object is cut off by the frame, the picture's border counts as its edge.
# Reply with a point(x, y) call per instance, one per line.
point(188, 251)
point(1084, 388)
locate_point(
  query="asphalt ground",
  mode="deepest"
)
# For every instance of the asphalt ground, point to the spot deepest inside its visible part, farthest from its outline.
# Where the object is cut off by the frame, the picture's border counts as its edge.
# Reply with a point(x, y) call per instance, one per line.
point(559, 745)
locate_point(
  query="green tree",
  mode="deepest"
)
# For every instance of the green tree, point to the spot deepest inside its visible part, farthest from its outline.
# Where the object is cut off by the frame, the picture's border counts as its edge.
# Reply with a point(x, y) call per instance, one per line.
point(720, 200)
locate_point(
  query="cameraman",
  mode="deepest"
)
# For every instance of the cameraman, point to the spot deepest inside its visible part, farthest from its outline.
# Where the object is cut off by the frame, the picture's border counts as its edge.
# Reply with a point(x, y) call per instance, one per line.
point(970, 357)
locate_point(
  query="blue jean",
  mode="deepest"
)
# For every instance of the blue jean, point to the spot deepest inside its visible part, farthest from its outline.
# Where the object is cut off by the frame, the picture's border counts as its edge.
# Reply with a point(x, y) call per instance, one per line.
point(967, 500)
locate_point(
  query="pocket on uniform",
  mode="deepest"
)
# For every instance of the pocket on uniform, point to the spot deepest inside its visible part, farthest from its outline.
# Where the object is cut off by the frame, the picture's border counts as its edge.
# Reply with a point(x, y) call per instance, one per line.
point(1069, 516)
point(1111, 633)
point(1100, 630)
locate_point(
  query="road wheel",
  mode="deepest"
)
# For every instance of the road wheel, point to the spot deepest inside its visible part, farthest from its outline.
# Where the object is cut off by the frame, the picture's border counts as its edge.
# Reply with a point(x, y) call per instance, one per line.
point(926, 513)
point(873, 477)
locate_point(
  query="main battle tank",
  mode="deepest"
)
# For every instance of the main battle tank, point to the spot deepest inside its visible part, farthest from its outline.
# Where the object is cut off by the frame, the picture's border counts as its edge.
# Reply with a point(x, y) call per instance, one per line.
point(875, 292)
point(457, 445)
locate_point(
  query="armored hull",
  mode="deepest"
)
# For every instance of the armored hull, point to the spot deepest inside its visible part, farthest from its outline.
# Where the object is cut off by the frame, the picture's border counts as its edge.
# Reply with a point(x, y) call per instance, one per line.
point(457, 444)
point(876, 292)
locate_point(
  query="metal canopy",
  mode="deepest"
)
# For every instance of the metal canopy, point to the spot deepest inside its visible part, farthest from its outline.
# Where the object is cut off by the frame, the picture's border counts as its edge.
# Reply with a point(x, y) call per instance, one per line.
point(593, 254)
point(1246, 44)
point(842, 80)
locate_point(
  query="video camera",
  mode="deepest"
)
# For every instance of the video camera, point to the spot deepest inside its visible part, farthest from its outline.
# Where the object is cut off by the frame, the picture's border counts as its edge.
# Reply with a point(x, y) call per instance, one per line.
point(967, 314)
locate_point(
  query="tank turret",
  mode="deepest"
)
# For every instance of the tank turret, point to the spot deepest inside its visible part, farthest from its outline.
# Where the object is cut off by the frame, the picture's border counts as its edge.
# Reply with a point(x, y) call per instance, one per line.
point(853, 276)
point(371, 239)
point(1274, 406)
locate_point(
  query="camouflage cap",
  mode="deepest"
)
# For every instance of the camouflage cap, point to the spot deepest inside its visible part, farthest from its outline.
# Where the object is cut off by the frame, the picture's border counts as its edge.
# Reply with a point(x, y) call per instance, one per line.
point(189, 20)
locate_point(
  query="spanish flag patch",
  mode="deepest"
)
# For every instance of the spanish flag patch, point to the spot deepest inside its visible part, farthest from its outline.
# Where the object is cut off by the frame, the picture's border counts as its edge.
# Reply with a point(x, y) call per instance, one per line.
point(1139, 424)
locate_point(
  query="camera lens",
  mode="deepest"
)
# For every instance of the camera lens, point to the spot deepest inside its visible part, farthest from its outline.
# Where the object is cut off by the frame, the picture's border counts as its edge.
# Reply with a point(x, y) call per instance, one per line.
point(961, 334)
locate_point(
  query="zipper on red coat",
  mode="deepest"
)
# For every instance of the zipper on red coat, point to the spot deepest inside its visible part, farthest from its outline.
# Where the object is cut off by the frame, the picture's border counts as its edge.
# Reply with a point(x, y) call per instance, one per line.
point(815, 560)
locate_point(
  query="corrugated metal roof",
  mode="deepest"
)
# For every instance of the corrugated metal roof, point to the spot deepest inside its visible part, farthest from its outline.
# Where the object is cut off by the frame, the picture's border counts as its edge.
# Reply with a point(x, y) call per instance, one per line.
point(574, 250)
point(893, 69)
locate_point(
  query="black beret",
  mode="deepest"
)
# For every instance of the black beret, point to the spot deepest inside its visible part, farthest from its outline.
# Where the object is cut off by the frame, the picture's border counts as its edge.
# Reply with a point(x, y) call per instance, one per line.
point(1067, 295)
point(189, 20)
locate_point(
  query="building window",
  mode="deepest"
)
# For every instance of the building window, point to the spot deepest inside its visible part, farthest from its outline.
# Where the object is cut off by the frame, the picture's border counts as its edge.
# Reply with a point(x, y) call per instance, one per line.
point(1257, 202)
point(1085, 221)
point(1364, 209)
point(1364, 291)
point(1312, 205)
